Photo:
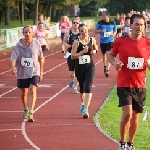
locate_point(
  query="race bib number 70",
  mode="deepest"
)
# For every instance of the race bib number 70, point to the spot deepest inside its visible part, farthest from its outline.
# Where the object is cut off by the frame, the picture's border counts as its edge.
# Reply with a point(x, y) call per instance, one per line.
point(27, 62)
point(135, 63)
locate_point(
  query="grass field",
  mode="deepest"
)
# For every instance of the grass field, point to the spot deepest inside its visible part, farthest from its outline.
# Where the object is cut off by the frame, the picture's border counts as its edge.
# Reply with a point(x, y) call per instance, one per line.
point(16, 23)
point(110, 114)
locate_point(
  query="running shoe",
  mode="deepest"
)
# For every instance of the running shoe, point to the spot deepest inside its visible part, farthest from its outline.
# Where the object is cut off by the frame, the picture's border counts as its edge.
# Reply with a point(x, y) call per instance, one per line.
point(75, 91)
point(105, 70)
point(130, 146)
point(85, 113)
point(30, 117)
point(71, 84)
point(25, 114)
point(122, 146)
point(107, 73)
point(81, 108)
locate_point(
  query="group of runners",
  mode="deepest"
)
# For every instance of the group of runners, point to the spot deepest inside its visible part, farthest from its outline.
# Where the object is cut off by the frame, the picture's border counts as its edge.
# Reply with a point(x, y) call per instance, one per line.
point(118, 37)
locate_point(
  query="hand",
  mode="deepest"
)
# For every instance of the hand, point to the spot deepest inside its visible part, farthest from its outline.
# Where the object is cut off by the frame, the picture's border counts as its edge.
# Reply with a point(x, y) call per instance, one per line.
point(14, 70)
point(148, 63)
point(119, 66)
point(93, 52)
point(68, 46)
point(104, 30)
point(41, 77)
point(85, 50)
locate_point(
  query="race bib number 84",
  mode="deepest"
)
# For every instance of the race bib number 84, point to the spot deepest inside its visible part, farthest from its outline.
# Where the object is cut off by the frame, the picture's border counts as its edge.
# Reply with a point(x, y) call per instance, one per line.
point(135, 63)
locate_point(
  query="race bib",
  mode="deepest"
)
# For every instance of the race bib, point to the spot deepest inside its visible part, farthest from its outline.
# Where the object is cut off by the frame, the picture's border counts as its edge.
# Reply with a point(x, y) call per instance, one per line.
point(41, 40)
point(118, 26)
point(135, 63)
point(27, 62)
point(67, 55)
point(84, 59)
point(107, 34)
point(127, 29)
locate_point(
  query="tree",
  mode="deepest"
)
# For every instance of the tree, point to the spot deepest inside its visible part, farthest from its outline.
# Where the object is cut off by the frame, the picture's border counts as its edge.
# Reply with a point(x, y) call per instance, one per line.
point(89, 9)
point(36, 11)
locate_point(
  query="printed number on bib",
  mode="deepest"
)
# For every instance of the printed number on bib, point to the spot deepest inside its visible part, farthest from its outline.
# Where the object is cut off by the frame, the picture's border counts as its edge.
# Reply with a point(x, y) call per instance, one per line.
point(127, 29)
point(27, 62)
point(135, 63)
point(84, 59)
point(41, 40)
point(107, 34)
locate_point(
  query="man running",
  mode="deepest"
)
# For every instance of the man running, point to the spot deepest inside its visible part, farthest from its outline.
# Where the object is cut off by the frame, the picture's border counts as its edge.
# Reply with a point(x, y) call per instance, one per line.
point(27, 63)
point(107, 29)
point(134, 52)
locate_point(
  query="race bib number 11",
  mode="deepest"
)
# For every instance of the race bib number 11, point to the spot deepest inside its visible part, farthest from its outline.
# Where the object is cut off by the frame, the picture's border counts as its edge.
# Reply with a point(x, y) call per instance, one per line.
point(135, 63)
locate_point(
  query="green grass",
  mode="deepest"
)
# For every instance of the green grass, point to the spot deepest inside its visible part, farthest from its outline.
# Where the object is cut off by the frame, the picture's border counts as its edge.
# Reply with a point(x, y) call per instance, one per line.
point(110, 115)
point(16, 23)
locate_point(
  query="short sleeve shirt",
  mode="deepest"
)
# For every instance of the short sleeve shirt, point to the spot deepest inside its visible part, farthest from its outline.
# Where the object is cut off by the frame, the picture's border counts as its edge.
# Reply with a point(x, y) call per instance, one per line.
point(133, 54)
point(27, 59)
point(63, 26)
point(110, 28)
point(40, 36)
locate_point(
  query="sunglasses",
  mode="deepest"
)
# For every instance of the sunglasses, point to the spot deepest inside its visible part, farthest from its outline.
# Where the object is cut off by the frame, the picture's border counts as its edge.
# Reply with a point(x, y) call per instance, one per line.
point(75, 22)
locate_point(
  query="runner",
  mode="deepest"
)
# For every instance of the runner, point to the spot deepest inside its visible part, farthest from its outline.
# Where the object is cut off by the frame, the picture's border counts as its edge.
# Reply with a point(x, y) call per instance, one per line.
point(119, 24)
point(134, 52)
point(41, 34)
point(41, 19)
point(126, 28)
point(70, 36)
point(27, 62)
point(82, 52)
point(107, 29)
point(64, 25)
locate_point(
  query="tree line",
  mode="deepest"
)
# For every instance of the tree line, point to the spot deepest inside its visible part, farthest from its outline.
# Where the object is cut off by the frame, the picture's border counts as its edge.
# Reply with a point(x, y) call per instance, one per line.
point(27, 9)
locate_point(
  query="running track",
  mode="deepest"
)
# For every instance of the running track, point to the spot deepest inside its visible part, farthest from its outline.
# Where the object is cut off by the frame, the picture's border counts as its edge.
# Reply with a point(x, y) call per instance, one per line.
point(58, 122)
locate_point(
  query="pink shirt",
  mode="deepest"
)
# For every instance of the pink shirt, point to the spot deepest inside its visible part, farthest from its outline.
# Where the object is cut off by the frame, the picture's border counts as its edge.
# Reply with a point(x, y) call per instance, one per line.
point(40, 36)
point(63, 26)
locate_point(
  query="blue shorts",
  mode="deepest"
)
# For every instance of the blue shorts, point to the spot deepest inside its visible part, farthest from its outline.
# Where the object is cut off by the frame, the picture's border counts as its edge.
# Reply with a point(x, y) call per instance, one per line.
point(25, 83)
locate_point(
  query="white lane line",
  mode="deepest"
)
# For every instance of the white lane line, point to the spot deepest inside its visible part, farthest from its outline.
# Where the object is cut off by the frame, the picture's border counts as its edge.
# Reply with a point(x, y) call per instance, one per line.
point(50, 99)
point(52, 54)
point(10, 130)
point(8, 92)
point(10, 111)
point(26, 137)
point(4, 59)
point(5, 72)
point(96, 120)
point(55, 67)
point(46, 125)
point(43, 104)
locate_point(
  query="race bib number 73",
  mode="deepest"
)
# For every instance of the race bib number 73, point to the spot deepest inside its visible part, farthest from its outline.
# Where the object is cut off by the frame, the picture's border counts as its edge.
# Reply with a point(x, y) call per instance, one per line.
point(84, 59)
point(135, 63)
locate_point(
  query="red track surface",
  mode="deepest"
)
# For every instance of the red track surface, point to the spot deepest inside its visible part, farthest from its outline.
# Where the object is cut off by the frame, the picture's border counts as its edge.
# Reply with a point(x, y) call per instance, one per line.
point(58, 122)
